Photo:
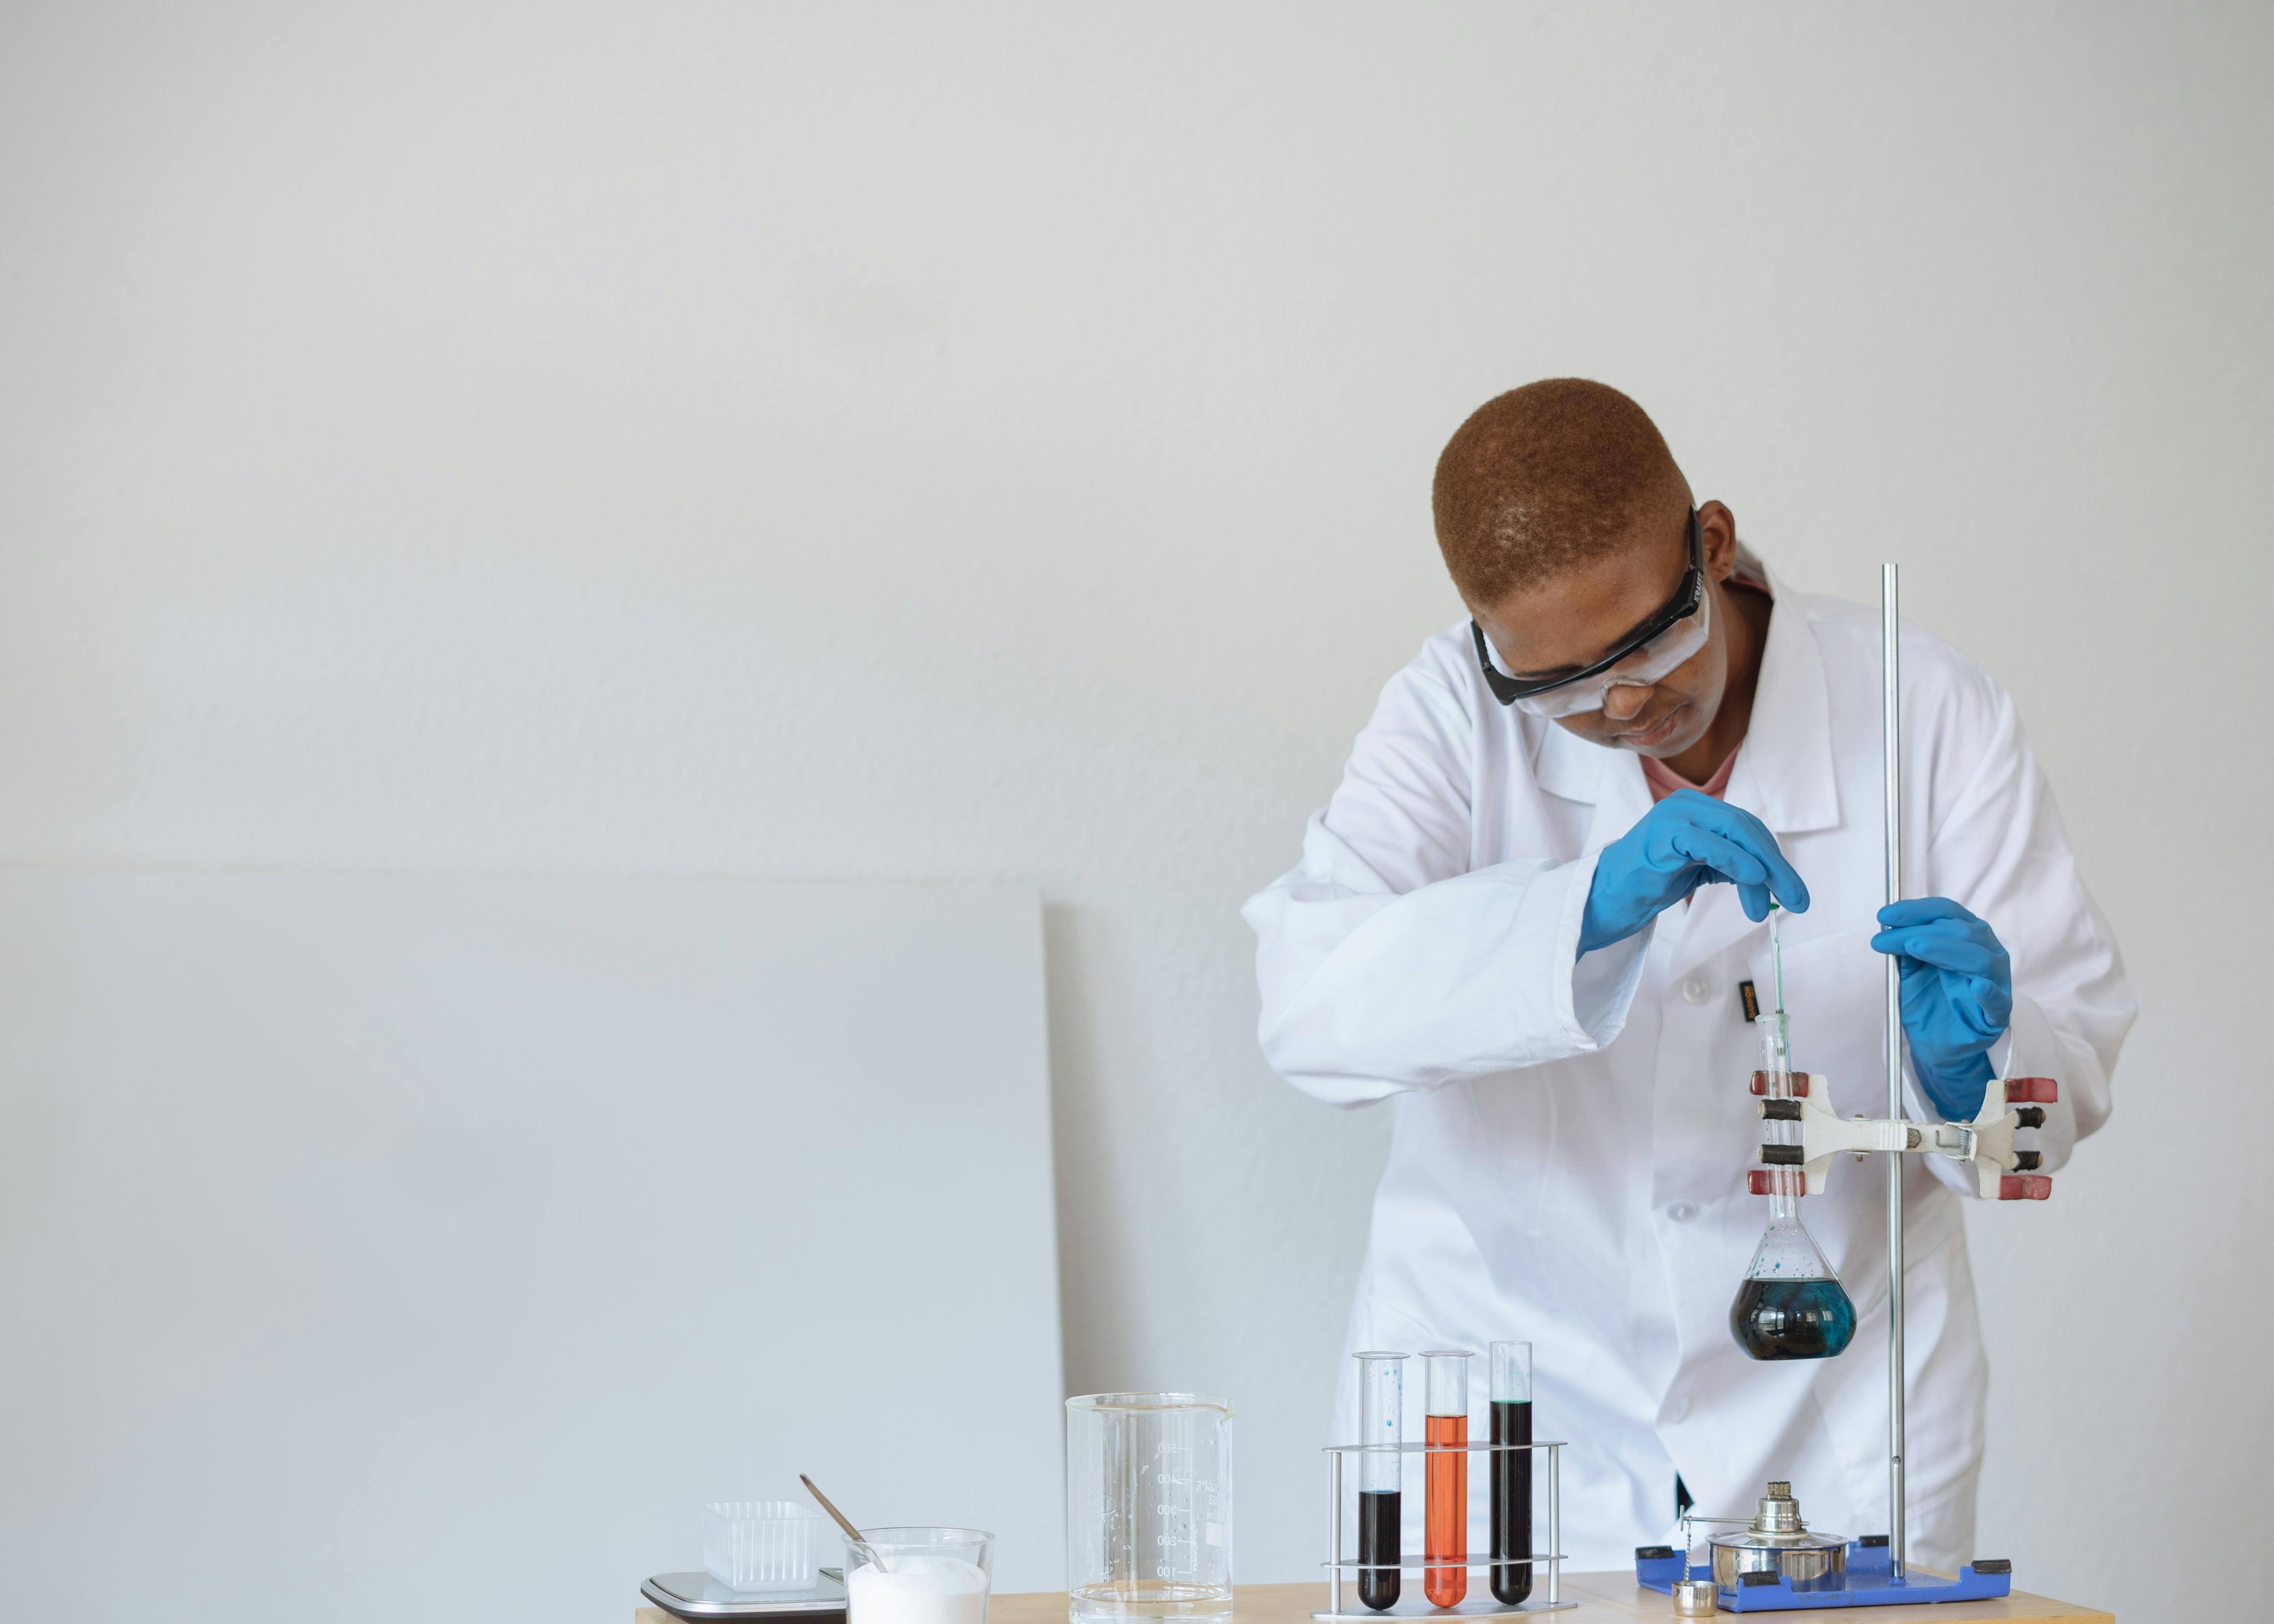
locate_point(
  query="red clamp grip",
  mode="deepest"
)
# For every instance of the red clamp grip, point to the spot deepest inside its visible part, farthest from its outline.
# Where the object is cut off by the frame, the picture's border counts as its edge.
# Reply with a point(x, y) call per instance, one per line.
point(1799, 1084)
point(1777, 1181)
point(2032, 1091)
point(2025, 1187)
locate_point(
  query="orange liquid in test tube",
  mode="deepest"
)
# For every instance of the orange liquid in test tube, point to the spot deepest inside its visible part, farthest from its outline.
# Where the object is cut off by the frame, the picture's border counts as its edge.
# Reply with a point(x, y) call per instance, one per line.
point(1446, 1480)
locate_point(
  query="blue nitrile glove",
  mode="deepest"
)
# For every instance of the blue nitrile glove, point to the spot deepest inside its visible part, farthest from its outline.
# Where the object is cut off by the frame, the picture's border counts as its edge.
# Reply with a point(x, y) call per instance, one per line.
point(1958, 994)
point(1686, 840)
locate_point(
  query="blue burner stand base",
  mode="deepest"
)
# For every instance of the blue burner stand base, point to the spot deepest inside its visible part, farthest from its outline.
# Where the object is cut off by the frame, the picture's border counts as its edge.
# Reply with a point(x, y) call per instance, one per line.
point(1866, 1585)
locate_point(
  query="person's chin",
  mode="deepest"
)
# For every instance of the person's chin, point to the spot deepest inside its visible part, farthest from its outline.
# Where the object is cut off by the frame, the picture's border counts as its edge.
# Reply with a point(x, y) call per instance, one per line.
point(1669, 735)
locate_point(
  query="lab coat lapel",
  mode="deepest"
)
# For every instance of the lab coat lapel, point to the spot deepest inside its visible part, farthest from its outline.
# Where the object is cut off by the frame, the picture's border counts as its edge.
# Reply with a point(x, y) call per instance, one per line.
point(1784, 772)
point(1570, 768)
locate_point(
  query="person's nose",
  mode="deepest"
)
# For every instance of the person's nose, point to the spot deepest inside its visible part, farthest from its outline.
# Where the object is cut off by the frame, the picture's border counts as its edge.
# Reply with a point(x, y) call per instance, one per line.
point(1622, 702)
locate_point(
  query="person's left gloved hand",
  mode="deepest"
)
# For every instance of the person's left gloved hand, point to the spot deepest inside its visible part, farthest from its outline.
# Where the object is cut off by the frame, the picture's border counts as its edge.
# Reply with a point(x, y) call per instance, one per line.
point(1958, 994)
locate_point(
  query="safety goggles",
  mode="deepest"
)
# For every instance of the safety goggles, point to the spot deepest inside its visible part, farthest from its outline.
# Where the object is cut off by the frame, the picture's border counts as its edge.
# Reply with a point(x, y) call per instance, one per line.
point(1667, 640)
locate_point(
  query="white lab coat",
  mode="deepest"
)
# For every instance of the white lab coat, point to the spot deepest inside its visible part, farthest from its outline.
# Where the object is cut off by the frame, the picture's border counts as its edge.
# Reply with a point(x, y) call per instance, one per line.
point(1569, 1142)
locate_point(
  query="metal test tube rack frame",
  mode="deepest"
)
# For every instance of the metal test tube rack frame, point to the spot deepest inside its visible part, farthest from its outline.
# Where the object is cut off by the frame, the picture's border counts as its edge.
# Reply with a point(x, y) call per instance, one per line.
point(1410, 1607)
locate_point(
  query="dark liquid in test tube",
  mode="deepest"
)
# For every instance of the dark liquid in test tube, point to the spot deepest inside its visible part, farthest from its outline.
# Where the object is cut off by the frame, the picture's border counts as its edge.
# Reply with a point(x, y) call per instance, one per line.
point(1512, 1500)
point(1380, 1538)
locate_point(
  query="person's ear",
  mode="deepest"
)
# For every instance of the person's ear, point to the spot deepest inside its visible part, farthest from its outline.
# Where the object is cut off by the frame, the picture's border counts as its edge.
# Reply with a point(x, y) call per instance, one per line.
point(1717, 529)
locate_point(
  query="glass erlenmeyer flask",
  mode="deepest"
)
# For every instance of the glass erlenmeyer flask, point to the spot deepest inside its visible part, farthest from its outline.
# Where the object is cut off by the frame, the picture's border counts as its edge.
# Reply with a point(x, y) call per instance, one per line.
point(1791, 1305)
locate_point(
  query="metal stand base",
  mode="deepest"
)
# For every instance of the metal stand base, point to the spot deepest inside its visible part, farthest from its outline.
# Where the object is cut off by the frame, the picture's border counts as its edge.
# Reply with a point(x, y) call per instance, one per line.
point(1867, 1585)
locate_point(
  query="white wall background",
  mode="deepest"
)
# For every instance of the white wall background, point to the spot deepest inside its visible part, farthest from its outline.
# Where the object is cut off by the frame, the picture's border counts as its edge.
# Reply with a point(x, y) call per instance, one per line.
point(991, 444)
point(380, 1247)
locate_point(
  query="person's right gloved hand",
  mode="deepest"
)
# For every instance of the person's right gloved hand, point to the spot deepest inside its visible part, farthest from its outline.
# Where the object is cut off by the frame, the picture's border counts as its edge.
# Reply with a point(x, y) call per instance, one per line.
point(1686, 840)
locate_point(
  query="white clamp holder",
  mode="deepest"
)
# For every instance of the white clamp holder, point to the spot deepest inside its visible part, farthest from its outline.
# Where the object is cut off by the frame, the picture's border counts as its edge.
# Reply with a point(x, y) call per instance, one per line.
point(2006, 1174)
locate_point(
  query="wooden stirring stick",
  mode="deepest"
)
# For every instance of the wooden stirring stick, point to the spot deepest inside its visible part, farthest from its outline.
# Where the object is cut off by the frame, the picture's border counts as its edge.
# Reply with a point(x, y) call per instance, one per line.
point(851, 1532)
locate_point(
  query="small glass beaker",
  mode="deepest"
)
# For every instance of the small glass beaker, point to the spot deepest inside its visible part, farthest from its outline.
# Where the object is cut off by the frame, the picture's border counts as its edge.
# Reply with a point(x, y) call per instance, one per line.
point(919, 1576)
point(1149, 1507)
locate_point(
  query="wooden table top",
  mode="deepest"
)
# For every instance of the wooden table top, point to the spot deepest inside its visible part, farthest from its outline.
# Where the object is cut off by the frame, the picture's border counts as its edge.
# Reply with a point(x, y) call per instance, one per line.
point(1599, 1595)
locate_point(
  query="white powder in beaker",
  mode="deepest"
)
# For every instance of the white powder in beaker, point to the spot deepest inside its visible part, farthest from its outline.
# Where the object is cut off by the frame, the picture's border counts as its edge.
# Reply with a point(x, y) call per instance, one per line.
point(919, 1589)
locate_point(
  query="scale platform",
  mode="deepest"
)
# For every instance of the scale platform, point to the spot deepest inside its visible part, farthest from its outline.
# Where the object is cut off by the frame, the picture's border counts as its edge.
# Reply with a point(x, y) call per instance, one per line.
point(1865, 1585)
point(696, 1596)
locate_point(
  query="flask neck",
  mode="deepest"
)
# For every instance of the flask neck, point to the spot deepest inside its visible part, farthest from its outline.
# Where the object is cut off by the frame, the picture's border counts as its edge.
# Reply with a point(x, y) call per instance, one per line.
point(1787, 1251)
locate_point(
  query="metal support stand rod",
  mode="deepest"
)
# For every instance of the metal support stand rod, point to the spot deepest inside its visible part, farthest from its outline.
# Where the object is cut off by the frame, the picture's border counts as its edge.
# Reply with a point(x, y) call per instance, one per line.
point(1890, 664)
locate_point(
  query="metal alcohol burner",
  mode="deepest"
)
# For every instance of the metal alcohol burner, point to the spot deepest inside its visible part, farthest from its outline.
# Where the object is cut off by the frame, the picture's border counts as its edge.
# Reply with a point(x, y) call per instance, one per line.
point(1776, 1541)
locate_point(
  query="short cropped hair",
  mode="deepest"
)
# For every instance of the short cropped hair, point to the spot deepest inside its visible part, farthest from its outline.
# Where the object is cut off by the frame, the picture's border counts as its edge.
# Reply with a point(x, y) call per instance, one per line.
point(1552, 475)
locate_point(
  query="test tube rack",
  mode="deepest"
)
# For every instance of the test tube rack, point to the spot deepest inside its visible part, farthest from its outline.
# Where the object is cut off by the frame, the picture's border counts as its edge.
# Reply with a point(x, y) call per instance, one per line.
point(1412, 1604)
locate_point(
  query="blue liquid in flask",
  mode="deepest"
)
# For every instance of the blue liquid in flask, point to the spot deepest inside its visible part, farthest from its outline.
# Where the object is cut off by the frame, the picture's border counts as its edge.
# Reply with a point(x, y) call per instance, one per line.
point(1792, 1319)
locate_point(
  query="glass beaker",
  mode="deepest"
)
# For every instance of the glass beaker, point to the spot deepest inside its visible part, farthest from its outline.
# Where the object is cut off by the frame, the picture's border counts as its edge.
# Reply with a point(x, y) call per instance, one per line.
point(919, 1576)
point(1380, 1477)
point(1148, 1507)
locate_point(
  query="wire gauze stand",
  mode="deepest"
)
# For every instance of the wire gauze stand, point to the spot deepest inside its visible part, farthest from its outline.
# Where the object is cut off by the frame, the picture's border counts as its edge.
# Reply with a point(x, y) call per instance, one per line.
point(1487, 1606)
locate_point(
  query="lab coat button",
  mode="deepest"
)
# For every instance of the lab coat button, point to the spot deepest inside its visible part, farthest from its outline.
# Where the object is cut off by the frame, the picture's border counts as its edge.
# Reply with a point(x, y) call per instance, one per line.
point(1696, 990)
point(1681, 1211)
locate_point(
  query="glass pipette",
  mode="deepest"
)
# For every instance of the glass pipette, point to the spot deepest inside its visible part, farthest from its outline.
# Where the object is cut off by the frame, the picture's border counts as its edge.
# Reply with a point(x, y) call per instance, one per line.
point(1776, 1043)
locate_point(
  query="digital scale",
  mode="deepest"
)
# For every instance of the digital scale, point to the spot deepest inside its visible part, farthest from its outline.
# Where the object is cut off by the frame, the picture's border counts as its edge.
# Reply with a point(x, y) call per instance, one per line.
point(697, 1595)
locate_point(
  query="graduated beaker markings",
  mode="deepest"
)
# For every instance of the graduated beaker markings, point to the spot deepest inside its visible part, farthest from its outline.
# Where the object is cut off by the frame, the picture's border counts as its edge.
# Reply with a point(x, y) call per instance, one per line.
point(1149, 1472)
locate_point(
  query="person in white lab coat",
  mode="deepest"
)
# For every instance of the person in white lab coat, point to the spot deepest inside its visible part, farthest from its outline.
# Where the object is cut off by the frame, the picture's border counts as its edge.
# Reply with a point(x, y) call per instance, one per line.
point(1507, 923)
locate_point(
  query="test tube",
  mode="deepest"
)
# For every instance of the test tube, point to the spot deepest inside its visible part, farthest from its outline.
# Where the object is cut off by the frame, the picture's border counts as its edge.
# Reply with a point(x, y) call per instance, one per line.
point(1445, 1530)
point(1511, 1470)
point(1380, 1476)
